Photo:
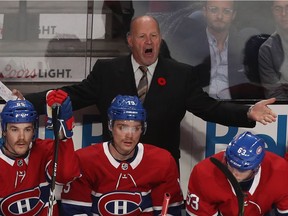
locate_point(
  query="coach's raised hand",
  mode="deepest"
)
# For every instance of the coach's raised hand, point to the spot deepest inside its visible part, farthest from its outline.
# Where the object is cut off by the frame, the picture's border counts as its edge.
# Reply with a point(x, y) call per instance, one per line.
point(18, 94)
point(260, 112)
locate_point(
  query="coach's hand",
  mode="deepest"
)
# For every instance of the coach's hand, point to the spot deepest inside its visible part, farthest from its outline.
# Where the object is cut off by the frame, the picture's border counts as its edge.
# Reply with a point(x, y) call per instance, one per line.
point(260, 112)
point(18, 94)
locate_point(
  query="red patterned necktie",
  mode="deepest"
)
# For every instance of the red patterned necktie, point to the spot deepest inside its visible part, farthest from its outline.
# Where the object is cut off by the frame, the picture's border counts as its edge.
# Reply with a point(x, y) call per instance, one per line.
point(143, 84)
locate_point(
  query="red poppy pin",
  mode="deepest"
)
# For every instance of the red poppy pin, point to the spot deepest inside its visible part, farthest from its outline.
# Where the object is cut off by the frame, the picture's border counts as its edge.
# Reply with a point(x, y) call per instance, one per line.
point(161, 81)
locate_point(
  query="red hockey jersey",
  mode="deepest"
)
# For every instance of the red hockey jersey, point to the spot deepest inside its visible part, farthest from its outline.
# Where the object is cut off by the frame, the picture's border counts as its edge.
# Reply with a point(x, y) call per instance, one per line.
point(124, 188)
point(24, 186)
point(209, 191)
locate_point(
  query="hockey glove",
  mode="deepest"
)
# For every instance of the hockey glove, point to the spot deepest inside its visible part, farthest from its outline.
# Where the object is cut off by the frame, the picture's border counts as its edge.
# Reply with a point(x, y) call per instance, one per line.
point(65, 116)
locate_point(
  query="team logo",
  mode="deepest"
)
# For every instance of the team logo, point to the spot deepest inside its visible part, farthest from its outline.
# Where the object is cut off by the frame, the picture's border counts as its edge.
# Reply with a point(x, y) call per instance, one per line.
point(26, 203)
point(20, 163)
point(259, 150)
point(120, 203)
point(124, 166)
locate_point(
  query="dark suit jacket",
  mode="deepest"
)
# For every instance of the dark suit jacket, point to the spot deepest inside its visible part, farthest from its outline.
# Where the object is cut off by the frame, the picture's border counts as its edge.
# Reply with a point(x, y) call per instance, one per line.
point(165, 104)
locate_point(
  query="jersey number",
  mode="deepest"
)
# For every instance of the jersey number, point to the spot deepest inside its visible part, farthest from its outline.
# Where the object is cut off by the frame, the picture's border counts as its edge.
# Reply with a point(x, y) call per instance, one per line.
point(193, 201)
point(67, 187)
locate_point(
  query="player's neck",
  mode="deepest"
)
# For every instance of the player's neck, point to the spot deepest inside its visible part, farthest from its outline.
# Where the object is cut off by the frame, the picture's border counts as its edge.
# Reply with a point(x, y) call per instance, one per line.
point(117, 155)
point(11, 154)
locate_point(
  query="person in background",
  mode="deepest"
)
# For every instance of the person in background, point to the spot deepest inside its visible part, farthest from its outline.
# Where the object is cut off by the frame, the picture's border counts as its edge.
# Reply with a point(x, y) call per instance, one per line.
point(215, 49)
point(262, 176)
point(172, 90)
point(123, 172)
point(273, 55)
point(251, 63)
point(26, 162)
point(121, 13)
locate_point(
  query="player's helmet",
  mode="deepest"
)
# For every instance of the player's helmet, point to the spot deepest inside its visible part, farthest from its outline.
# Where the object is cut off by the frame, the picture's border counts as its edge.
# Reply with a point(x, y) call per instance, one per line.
point(245, 152)
point(124, 107)
point(18, 111)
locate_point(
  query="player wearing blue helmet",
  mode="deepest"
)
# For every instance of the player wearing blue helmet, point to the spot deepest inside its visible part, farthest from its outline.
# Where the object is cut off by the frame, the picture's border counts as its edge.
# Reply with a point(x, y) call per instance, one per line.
point(244, 155)
point(13, 113)
point(123, 176)
point(126, 114)
point(262, 177)
point(26, 161)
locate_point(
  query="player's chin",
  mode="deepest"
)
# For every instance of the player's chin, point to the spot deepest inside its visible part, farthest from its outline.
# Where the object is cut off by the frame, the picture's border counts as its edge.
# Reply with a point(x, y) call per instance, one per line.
point(21, 152)
point(239, 180)
point(21, 149)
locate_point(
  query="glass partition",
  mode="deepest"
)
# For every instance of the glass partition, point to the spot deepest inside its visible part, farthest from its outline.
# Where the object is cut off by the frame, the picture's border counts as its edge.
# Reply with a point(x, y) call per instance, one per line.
point(222, 41)
point(50, 43)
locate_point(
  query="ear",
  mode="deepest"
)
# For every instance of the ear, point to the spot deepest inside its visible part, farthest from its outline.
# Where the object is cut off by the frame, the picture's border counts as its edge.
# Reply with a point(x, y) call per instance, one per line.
point(144, 128)
point(129, 40)
point(234, 15)
point(110, 125)
point(204, 11)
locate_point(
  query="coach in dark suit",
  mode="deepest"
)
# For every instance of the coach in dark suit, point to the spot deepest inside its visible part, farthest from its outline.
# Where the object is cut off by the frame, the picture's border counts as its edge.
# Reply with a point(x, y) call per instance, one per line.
point(172, 91)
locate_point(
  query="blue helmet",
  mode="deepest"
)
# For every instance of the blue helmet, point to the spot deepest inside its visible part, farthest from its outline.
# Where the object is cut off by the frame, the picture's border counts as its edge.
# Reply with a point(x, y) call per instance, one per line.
point(126, 108)
point(245, 152)
point(18, 111)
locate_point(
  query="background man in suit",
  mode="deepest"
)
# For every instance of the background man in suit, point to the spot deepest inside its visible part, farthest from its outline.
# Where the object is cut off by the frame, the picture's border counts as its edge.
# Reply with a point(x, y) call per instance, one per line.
point(209, 41)
point(273, 55)
point(173, 89)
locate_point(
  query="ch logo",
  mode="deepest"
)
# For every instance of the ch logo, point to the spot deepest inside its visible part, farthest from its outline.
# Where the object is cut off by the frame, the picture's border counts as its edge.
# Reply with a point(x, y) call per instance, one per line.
point(120, 203)
point(25, 203)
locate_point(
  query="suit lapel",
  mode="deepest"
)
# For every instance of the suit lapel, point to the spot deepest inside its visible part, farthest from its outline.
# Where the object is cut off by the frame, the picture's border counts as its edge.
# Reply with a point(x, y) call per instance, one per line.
point(124, 76)
point(161, 74)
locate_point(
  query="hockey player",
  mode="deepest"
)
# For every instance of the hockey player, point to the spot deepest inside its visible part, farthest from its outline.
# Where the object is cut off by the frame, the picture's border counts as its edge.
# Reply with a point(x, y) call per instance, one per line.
point(262, 176)
point(125, 177)
point(26, 162)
